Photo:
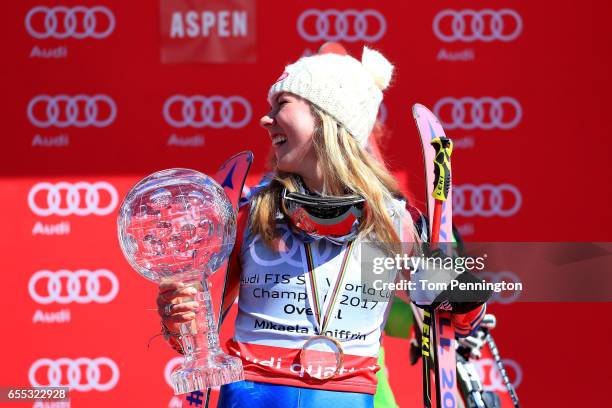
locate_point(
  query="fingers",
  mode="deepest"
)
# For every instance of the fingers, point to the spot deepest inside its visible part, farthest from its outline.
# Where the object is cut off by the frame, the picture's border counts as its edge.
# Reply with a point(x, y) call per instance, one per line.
point(166, 285)
point(473, 345)
point(166, 309)
point(472, 342)
point(178, 318)
point(173, 294)
point(184, 307)
point(169, 286)
point(178, 312)
point(175, 302)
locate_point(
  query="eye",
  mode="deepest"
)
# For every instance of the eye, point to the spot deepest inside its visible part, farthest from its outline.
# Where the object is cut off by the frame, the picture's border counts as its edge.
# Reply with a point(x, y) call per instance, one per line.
point(281, 99)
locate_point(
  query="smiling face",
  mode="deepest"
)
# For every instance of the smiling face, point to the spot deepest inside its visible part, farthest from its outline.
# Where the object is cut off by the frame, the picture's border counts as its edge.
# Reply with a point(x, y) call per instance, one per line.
point(291, 127)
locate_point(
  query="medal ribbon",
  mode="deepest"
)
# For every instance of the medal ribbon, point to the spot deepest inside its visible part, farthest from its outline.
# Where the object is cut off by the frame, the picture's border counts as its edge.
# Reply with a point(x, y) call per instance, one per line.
point(323, 321)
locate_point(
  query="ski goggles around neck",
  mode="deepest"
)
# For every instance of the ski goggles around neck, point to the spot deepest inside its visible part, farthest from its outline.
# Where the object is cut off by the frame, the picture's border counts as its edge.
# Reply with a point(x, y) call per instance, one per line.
point(323, 216)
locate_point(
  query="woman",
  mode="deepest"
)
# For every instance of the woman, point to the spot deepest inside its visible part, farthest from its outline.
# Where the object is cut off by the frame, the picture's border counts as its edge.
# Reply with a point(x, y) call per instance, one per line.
point(306, 333)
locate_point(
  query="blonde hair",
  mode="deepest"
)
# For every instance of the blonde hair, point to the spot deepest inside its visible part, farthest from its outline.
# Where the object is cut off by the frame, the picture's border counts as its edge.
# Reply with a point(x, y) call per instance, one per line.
point(347, 169)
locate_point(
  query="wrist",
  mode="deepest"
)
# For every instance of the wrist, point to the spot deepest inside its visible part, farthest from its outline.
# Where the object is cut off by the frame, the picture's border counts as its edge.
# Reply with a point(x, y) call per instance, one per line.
point(173, 338)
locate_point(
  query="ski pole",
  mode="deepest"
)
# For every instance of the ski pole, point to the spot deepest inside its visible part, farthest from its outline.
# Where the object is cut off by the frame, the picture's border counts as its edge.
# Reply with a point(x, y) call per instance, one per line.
point(426, 350)
point(442, 179)
point(502, 370)
point(442, 182)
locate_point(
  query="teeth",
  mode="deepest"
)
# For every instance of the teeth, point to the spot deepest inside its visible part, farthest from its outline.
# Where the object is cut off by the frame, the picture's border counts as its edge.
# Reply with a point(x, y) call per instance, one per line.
point(278, 139)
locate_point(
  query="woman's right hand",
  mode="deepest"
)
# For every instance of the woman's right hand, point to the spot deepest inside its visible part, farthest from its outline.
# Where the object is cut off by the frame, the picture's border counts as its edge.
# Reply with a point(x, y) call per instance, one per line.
point(180, 296)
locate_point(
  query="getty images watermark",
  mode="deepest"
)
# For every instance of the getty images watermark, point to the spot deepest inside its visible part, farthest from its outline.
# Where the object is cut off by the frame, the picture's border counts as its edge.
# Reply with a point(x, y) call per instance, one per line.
point(427, 273)
point(512, 271)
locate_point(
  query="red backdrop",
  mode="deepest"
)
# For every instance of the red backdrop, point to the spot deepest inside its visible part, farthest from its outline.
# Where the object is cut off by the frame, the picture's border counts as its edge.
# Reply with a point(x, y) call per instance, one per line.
point(99, 94)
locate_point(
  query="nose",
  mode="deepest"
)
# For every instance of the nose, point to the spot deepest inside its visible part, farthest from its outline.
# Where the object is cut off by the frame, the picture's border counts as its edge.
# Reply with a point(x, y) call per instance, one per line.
point(266, 120)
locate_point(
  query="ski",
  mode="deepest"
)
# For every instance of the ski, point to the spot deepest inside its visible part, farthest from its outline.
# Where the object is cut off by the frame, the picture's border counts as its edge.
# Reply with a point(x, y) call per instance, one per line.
point(231, 176)
point(440, 223)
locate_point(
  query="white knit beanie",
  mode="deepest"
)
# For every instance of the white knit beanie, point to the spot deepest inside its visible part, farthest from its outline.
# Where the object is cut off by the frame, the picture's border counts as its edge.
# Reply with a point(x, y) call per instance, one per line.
point(349, 90)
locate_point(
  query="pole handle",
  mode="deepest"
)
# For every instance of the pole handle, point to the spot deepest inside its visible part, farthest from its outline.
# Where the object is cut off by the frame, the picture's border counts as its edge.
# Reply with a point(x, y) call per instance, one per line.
point(442, 167)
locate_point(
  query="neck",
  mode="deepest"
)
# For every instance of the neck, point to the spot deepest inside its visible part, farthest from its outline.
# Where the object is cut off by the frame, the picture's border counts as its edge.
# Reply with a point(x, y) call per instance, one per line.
point(314, 182)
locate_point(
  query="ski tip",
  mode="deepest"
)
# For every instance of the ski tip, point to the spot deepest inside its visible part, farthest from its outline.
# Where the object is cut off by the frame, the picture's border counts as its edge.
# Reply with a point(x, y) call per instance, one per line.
point(250, 155)
point(416, 108)
point(420, 109)
point(246, 155)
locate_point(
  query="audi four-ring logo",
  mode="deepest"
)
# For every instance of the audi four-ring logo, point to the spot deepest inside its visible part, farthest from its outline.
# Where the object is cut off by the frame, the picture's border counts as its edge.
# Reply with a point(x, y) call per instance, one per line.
point(479, 113)
point(200, 111)
point(292, 256)
point(66, 199)
point(82, 374)
point(81, 286)
point(491, 377)
point(505, 297)
point(477, 25)
point(76, 110)
point(75, 22)
point(486, 200)
point(336, 25)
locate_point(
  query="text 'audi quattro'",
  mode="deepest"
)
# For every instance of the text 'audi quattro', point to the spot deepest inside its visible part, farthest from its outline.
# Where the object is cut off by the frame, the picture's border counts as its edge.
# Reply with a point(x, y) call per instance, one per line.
point(81, 286)
point(341, 25)
point(80, 374)
point(71, 110)
point(215, 111)
point(485, 113)
point(80, 198)
point(61, 22)
point(477, 25)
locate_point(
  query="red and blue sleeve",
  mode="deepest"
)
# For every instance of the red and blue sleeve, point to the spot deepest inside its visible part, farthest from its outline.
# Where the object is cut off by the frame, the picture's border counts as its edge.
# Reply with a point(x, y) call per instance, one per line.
point(467, 323)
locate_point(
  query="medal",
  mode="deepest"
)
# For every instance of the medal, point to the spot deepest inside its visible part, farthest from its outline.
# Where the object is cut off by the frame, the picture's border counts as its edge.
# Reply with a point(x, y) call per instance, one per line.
point(322, 356)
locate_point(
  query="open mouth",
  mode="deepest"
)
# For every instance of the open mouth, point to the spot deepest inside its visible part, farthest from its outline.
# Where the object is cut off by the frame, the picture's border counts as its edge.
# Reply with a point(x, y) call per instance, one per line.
point(278, 140)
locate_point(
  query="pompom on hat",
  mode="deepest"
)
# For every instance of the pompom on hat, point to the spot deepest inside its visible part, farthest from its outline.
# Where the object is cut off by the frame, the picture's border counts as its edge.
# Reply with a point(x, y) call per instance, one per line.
point(349, 90)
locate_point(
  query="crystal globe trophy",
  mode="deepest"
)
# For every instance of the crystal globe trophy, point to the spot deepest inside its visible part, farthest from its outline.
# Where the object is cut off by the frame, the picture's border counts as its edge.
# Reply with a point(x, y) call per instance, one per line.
point(179, 225)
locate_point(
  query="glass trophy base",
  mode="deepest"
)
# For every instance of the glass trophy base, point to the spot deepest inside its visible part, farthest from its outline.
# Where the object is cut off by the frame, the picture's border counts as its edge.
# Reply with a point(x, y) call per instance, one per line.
point(211, 371)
